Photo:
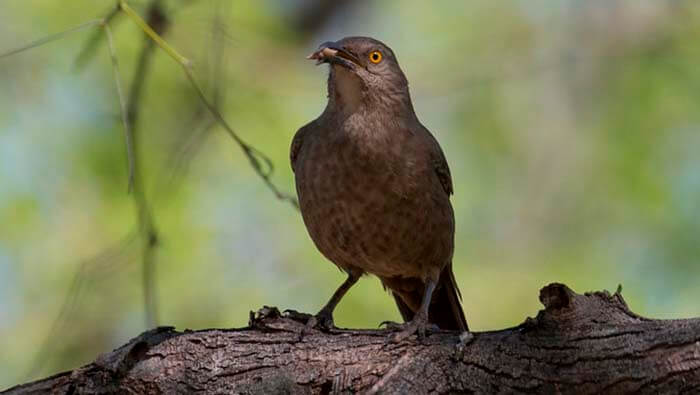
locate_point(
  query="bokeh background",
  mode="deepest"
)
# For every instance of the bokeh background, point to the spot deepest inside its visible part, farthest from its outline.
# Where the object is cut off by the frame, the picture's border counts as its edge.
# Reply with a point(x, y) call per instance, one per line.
point(571, 127)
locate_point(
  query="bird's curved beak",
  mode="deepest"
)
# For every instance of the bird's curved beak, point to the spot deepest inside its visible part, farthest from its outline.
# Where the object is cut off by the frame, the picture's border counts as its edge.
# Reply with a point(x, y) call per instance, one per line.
point(330, 52)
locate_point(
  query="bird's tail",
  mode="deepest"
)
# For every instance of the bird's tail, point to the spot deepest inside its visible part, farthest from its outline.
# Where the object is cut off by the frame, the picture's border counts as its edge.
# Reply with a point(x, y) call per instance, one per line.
point(445, 307)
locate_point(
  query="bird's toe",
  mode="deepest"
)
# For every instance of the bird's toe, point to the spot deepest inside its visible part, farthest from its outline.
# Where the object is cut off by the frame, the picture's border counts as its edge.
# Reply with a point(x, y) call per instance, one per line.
point(322, 321)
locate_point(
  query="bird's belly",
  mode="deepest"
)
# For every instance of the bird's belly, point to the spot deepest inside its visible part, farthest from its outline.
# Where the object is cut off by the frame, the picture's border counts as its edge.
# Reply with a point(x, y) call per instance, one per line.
point(364, 218)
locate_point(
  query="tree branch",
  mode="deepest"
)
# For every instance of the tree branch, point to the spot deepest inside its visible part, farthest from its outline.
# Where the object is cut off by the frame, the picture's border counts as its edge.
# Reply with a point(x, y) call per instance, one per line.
point(591, 343)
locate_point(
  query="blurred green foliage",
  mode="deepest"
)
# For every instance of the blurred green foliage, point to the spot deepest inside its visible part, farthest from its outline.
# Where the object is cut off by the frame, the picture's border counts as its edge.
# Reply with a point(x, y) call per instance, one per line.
point(572, 130)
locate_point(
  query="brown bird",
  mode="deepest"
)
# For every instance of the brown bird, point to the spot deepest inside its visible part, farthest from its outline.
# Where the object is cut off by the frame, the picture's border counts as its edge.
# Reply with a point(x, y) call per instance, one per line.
point(374, 188)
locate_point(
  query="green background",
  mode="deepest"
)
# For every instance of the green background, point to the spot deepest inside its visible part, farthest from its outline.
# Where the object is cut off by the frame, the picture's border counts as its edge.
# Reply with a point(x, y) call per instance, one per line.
point(571, 127)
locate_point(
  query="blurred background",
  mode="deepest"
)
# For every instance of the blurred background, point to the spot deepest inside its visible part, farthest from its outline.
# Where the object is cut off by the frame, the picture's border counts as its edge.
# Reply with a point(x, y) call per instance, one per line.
point(571, 127)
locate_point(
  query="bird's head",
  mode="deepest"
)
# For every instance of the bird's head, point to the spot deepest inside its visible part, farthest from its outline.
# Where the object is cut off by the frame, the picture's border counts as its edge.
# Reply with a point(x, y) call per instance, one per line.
point(363, 71)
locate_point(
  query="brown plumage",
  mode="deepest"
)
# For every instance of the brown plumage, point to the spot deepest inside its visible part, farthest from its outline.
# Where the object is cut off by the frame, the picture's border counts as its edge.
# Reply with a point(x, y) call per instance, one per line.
point(374, 187)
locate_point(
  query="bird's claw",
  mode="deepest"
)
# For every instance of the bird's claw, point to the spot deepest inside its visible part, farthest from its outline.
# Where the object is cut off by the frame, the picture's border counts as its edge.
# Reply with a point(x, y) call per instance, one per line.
point(322, 321)
point(406, 330)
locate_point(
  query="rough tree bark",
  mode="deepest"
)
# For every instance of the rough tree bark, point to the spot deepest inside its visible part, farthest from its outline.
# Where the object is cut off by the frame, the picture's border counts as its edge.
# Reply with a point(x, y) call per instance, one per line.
point(589, 343)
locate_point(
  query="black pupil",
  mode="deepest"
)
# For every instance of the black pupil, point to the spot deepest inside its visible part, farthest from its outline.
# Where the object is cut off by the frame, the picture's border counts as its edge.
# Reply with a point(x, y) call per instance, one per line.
point(375, 56)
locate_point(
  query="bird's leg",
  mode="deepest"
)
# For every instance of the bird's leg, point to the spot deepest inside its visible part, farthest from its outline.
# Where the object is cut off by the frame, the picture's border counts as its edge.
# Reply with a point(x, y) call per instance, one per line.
point(324, 318)
point(419, 324)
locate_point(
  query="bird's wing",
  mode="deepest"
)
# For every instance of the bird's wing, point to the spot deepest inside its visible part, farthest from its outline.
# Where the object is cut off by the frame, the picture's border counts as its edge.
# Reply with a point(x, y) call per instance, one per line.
point(297, 143)
point(439, 162)
point(443, 172)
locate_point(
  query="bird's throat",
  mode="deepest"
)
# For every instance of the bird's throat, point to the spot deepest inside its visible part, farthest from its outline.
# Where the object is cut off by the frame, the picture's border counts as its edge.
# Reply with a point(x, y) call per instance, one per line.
point(345, 90)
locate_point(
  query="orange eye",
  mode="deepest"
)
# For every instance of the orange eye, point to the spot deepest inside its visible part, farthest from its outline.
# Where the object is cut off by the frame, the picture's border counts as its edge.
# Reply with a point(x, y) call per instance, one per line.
point(375, 57)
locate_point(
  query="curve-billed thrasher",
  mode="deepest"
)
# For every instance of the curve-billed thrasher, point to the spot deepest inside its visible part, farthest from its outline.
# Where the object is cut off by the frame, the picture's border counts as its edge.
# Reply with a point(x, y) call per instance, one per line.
point(374, 188)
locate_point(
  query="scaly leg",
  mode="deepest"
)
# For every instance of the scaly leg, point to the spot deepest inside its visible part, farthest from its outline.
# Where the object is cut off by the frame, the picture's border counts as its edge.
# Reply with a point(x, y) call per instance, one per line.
point(324, 318)
point(419, 324)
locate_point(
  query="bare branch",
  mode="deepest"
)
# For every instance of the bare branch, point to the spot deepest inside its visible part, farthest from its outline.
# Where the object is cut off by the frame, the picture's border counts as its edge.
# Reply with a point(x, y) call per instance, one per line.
point(578, 344)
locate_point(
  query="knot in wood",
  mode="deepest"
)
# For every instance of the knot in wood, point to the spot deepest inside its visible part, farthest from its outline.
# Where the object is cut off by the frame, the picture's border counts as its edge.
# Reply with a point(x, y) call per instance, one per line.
point(556, 296)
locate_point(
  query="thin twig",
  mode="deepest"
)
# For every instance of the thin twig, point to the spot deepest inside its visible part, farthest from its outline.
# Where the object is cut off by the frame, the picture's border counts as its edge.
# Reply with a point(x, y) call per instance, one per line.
point(86, 269)
point(198, 129)
point(52, 37)
point(218, 50)
point(94, 40)
point(146, 221)
point(254, 156)
point(128, 137)
point(260, 162)
point(153, 35)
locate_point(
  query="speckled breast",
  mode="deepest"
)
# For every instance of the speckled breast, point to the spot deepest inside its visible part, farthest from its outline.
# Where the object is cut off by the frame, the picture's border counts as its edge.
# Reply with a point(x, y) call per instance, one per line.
point(370, 210)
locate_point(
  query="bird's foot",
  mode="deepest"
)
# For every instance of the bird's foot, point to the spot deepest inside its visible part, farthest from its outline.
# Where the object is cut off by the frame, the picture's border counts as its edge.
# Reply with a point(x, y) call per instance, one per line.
point(322, 321)
point(417, 326)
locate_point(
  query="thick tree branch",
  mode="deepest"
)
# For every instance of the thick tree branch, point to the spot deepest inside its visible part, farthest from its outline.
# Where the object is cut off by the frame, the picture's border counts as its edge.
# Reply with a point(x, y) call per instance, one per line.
point(588, 343)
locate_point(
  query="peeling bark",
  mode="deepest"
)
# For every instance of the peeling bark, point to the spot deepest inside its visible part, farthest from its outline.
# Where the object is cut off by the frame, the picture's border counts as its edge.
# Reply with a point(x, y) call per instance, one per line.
point(589, 343)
